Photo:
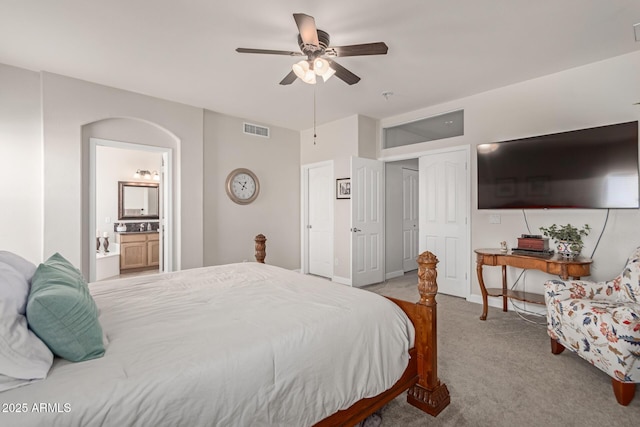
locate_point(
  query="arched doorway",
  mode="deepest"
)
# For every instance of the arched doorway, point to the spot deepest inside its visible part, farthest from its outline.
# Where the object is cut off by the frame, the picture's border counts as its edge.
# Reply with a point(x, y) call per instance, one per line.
point(143, 138)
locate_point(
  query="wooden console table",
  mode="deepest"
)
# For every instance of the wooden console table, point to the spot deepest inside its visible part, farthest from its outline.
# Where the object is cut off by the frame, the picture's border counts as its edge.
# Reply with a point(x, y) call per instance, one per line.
point(565, 268)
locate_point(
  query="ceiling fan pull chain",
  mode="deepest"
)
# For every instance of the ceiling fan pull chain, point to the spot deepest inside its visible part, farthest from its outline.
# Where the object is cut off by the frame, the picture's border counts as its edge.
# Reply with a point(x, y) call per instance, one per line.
point(314, 115)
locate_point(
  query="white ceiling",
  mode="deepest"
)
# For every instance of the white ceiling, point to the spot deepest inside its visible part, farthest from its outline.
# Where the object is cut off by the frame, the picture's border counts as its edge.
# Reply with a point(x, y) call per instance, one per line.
point(438, 50)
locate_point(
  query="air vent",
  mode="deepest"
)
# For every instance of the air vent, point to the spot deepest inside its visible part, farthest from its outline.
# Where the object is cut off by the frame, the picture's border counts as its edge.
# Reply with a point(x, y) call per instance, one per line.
point(256, 130)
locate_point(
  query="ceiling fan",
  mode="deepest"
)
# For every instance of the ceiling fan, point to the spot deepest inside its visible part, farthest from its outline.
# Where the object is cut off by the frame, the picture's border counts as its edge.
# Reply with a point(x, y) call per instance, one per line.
point(314, 43)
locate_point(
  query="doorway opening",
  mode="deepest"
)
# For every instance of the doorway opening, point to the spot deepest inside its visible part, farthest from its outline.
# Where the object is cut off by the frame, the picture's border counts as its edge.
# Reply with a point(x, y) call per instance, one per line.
point(401, 217)
point(443, 216)
point(111, 162)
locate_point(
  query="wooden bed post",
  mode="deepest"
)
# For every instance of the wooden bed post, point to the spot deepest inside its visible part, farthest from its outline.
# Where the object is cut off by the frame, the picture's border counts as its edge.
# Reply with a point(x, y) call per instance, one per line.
point(261, 246)
point(429, 394)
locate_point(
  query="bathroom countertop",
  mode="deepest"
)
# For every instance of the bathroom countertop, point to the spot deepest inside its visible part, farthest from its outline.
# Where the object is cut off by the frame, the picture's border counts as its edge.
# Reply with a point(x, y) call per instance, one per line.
point(137, 232)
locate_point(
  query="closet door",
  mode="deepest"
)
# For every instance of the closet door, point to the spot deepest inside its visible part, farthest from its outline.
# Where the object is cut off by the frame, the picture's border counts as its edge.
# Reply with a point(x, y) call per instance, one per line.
point(443, 223)
point(320, 221)
point(409, 219)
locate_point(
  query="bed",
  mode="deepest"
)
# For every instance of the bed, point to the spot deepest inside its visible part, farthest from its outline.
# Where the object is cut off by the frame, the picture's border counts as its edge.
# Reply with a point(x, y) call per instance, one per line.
point(241, 344)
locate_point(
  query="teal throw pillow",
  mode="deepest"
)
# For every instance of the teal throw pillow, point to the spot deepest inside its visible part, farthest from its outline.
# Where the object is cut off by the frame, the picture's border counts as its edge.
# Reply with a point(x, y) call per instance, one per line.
point(62, 313)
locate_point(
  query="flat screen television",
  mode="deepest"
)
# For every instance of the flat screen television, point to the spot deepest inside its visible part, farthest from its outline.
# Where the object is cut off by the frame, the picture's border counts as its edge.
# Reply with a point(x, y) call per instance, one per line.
point(595, 168)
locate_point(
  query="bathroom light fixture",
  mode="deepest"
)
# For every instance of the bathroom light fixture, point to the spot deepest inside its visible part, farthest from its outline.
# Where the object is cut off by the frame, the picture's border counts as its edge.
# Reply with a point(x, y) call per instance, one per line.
point(145, 174)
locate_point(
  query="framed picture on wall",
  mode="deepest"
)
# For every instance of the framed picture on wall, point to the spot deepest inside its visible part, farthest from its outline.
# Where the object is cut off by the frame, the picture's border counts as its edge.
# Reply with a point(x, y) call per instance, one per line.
point(343, 188)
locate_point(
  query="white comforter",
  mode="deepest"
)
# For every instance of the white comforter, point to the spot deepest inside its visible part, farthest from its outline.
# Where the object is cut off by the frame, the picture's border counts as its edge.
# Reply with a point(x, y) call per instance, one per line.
point(235, 345)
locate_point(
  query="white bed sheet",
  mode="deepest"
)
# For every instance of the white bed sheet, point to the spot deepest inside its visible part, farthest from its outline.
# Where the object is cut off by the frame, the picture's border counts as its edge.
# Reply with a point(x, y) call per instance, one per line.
point(235, 345)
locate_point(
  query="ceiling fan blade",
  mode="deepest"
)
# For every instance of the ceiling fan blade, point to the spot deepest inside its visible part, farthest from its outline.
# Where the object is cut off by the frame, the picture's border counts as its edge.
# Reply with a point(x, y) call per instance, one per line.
point(343, 74)
point(379, 48)
point(289, 78)
point(269, 52)
point(307, 28)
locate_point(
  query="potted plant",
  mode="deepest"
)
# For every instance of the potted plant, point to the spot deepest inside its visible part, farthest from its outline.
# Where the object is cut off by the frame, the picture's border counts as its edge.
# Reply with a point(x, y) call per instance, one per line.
point(567, 237)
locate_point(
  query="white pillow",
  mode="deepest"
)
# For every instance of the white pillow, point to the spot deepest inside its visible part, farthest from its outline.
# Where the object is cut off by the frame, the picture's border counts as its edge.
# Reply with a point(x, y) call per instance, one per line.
point(23, 356)
point(24, 267)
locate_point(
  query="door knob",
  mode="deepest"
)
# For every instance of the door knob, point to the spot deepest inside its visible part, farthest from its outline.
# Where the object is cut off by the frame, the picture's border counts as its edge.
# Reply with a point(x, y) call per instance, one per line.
point(309, 226)
point(355, 230)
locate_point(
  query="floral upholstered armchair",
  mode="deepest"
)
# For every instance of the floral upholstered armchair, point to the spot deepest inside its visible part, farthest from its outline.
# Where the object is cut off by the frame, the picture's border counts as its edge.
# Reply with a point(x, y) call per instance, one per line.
point(601, 323)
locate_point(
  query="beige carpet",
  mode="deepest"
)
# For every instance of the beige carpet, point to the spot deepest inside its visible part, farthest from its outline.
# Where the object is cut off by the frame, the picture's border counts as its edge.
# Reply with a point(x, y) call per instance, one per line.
point(501, 372)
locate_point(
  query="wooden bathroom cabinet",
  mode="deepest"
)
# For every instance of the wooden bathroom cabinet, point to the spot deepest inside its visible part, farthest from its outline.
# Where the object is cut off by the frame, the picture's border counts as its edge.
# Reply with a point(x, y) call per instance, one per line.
point(139, 251)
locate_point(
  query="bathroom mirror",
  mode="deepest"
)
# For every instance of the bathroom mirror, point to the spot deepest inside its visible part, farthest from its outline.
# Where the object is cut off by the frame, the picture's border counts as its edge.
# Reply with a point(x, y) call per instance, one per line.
point(138, 200)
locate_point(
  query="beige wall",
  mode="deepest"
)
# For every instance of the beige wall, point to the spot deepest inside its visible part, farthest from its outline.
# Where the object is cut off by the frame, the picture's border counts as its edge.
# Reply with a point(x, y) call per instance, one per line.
point(229, 228)
point(52, 147)
point(339, 141)
point(367, 137)
point(141, 133)
point(593, 95)
point(20, 163)
point(67, 105)
point(334, 140)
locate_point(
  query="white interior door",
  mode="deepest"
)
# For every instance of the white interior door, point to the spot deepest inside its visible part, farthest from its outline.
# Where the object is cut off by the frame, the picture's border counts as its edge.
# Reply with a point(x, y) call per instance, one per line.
point(443, 224)
point(409, 219)
point(320, 220)
point(367, 221)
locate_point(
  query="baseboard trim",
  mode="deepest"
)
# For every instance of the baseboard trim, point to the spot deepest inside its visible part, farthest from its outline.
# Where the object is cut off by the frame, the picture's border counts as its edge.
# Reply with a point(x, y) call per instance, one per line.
point(341, 280)
point(394, 274)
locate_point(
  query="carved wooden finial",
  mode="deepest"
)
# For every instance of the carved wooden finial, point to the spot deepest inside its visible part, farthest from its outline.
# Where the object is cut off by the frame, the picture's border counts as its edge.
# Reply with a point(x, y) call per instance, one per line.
point(261, 246)
point(429, 394)
point(427, 274)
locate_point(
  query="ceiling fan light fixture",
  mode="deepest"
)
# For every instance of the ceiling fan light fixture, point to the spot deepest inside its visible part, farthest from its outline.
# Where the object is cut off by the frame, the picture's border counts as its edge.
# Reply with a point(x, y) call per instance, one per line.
point(320, 66)
point(304, 72)
point(314, 44)
point(309, 77)
point(300, 68)
point(327, 74)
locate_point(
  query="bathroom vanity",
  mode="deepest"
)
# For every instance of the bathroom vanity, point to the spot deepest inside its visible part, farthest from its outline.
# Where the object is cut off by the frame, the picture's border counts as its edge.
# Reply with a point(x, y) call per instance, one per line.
point(139, 250)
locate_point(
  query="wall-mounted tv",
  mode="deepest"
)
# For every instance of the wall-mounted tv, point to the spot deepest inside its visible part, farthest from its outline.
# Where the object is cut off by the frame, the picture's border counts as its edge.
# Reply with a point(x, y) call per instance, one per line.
point(595, 168)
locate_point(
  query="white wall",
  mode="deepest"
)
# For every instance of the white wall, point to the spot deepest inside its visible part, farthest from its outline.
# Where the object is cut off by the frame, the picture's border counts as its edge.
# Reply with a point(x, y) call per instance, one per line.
point(69, 104)
point(20, 163)
point(597, 94)
point(229, 228)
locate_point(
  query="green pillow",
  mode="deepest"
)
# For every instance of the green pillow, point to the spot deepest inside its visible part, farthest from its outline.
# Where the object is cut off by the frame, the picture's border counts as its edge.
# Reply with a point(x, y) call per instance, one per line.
point(62, 313)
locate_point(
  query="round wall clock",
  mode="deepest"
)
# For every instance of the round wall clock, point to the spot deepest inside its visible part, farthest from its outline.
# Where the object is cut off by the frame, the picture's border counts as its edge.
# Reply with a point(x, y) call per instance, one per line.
point(242, 186)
